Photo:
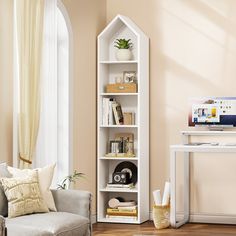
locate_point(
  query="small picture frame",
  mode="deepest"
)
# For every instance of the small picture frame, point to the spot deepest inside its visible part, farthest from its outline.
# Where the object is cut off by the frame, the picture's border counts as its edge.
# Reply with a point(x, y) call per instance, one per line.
point(115, 146)
point(129, 76)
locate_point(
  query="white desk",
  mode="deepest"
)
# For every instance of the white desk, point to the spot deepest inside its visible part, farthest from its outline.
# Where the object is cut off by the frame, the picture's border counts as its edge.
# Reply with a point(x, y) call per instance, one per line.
point(187, 149)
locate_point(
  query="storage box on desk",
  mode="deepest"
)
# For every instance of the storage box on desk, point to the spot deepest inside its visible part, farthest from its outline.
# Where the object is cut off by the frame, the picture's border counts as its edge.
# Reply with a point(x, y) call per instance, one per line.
point(122, 88)
point(161, 216)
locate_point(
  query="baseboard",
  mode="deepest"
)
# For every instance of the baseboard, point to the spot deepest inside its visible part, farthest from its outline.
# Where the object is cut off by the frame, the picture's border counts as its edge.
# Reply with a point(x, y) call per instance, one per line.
point(213, 218)
point(197, 218)
point(207, 218)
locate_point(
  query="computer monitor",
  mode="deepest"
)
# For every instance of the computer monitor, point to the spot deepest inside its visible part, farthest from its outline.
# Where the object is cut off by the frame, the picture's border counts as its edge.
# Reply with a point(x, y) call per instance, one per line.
point(212, 111)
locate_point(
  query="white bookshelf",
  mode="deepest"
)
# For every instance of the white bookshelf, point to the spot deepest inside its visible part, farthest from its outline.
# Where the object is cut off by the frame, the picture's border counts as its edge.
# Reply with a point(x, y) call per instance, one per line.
point(108, 67)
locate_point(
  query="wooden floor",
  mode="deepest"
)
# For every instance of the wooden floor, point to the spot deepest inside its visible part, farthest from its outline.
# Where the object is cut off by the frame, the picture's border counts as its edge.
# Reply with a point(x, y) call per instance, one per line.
point(148, 228)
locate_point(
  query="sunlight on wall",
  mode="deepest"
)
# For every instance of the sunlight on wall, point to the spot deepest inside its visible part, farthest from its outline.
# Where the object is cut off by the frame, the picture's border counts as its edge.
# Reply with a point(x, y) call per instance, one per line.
point(192, 53)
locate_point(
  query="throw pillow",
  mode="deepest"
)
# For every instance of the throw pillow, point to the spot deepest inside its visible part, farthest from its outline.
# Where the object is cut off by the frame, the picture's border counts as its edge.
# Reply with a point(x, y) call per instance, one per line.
point(3, 200)
point(4, 171)
point(23, 195)
point(45, 176)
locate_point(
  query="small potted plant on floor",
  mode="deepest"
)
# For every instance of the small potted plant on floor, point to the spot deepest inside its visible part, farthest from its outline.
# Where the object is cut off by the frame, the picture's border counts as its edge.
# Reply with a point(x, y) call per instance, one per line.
point(123, 52)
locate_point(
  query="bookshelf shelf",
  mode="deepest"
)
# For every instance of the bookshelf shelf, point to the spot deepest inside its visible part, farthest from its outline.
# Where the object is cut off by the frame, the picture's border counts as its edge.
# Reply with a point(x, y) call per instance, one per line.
point(136, 104)
point(119, 190)
point(119, 94)
point(124, 221)
point(118, 62)
point(119, 126)
point(119, 158)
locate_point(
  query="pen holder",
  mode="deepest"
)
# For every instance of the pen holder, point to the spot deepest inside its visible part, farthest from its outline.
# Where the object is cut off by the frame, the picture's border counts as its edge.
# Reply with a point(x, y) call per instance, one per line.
point(161, 216)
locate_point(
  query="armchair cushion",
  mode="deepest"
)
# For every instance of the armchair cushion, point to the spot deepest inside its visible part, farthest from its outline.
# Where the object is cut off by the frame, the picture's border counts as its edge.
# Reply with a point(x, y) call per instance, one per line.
point(48, 224)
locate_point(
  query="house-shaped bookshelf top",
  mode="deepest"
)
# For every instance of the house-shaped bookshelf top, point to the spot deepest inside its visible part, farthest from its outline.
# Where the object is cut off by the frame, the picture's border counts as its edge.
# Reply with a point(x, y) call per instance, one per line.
point(119, 27)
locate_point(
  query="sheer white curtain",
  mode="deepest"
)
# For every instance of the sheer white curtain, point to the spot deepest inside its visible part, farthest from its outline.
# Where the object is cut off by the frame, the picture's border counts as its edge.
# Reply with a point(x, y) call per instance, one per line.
point(46, 149)
point(52, 144)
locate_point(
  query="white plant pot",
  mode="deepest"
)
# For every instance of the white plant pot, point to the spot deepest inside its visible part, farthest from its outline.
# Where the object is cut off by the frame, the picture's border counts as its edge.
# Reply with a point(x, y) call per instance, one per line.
point(123, 55)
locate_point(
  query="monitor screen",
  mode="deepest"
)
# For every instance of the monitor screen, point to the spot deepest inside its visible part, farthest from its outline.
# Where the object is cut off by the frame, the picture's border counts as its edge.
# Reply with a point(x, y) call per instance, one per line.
point(212, 111)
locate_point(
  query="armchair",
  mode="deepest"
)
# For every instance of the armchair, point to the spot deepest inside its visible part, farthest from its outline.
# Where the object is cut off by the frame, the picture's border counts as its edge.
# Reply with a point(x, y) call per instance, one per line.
point(73, 218)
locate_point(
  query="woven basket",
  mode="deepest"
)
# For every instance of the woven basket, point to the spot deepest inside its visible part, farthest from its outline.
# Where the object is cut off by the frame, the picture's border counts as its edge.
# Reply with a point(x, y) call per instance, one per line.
point(161, 216)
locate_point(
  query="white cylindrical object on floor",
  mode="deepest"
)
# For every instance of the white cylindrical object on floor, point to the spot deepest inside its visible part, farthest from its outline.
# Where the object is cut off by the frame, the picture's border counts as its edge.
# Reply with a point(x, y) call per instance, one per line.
point(157, 197)
point(166, 194)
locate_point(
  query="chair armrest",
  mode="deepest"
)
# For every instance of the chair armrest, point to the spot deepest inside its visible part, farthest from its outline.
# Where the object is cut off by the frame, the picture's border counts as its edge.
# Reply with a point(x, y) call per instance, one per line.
point(2, 226)
point(73, 201)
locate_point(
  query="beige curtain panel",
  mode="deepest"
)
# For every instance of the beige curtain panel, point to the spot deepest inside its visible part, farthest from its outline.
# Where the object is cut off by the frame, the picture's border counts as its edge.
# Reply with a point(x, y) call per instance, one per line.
point(29, 22)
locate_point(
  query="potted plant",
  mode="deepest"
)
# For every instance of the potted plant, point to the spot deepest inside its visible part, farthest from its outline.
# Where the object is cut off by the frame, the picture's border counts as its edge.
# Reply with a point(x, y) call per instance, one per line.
point(123, 53)
point(66, 182)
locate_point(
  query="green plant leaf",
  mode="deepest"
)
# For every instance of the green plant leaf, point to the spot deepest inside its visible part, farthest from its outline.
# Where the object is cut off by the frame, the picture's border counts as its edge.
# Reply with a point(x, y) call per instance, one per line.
point(123, 43)
point(70, 179)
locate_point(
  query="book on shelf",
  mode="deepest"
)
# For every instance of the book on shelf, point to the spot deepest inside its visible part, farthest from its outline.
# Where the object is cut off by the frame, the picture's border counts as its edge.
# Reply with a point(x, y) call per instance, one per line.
point(118, 115)
point(122, 217)
point(127, 207)
point(122, 214)
point(110, 112)
point(107, 111)
point(120, 211)
point(111, 185)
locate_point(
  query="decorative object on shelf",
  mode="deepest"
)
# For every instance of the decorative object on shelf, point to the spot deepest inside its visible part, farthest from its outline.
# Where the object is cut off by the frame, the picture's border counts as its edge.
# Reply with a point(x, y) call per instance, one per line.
point(128, 118)
point(120, 202)
point(122, 146)
point(119, 79)
point(122, 88)
point(121, 178)
point(116, 146)
point(128, 139)
point(130, 148)
point(127, 166)
point(129, 76)
point(73, 178)
point(123, 52)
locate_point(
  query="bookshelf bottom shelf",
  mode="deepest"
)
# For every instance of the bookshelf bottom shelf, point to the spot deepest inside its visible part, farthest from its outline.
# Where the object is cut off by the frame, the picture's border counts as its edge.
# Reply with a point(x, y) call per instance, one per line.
point(122, 221)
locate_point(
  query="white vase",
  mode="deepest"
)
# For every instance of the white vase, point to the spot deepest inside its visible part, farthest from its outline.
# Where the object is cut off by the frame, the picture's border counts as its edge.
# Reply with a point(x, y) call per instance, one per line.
point(123, 55)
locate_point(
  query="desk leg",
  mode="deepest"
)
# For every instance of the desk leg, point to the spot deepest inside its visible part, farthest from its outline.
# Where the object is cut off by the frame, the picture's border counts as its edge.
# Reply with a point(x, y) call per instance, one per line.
point(173, 188)
point(186, 186)
point(173, 221)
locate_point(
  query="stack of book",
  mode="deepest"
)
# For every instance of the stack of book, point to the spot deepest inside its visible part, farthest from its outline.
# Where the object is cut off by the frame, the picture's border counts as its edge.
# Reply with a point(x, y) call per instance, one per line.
point(111, 112)
point(123, 212)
